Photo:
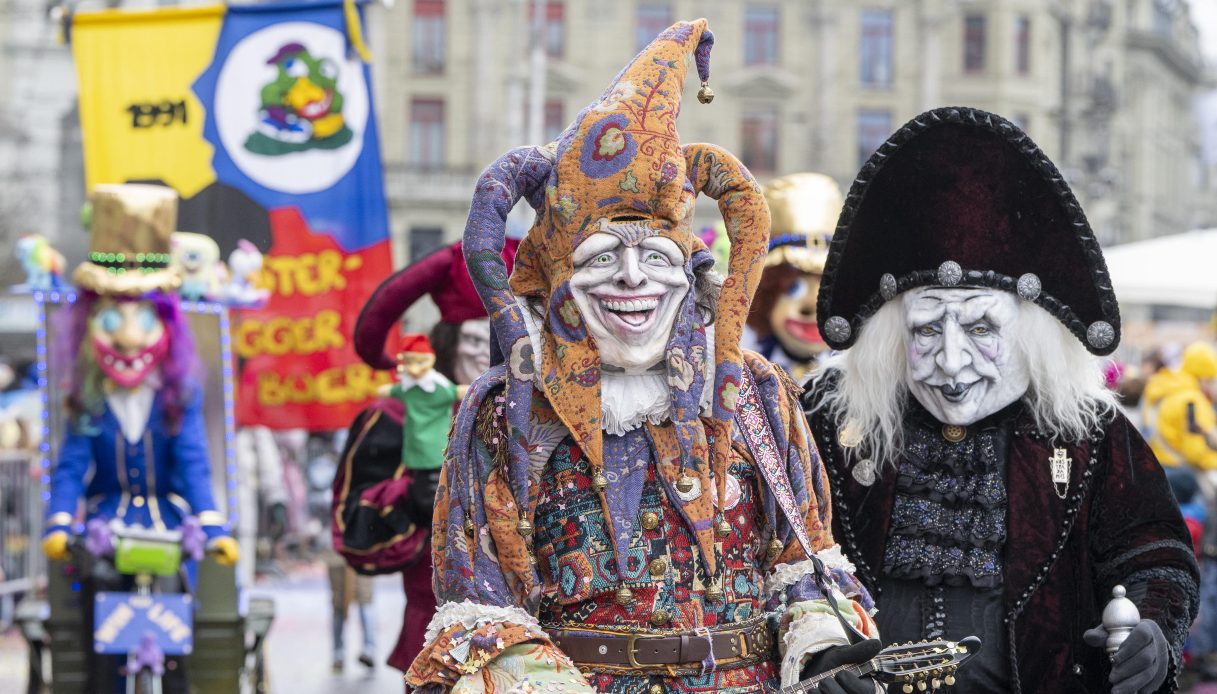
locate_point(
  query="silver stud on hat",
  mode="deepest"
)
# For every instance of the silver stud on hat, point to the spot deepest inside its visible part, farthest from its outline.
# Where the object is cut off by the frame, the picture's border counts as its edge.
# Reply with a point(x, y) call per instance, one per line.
point(837, 329)
point(949, 273)
point(1100, 334)
point(887, 286)
point(1029, 287)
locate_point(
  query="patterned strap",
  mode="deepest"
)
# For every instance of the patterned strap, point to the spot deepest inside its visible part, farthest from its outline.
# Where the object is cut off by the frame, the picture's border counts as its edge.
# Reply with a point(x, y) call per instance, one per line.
point(759, 438)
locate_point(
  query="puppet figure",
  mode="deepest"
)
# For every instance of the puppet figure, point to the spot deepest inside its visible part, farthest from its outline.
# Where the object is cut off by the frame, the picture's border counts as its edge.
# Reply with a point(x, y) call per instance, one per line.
point(984, 480)
point(382, 513)
point(428, 397)
point(43, 264)
point(197, 260)
point(244, 264)
point(782, 321)
point(627, 500)
point(135, 447)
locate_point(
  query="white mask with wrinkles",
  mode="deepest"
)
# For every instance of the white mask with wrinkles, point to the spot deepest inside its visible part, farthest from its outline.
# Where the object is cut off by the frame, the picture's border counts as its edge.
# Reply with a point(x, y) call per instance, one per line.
point(629, 288)
point(964, 363)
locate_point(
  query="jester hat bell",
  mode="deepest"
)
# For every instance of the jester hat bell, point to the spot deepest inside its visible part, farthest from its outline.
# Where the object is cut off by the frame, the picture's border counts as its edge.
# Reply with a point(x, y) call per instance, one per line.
point(619, 163)
point(129, 250)
point(961, 197)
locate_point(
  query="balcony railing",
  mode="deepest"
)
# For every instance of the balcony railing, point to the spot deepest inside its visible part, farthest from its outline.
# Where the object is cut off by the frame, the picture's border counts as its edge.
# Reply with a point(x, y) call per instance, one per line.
point(413, 184)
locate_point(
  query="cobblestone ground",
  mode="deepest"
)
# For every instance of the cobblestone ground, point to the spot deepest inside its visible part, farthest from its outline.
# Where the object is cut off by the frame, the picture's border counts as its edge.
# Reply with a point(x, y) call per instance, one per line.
point(298, 648)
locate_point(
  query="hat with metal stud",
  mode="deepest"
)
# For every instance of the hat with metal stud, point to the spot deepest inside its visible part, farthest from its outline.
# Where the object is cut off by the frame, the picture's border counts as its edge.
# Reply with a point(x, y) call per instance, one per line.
point(961, 197)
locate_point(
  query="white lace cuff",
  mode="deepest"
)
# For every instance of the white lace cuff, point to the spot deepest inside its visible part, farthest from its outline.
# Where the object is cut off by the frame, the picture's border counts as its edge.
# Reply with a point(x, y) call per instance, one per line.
point(807, 635)
point(786, 575)
point(471, 614)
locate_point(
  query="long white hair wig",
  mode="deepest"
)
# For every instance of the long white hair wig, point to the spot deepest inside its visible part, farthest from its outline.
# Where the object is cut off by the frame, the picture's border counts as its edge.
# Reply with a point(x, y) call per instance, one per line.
point(1067, 397)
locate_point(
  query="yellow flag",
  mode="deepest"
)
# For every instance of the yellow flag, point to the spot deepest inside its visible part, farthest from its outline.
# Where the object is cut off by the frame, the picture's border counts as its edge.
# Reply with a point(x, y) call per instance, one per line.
point(139, 117)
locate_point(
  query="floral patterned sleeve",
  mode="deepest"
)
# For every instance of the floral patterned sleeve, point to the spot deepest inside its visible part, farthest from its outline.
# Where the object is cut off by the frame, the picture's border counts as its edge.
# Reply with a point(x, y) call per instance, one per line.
point(484, 636)
point(807, 623)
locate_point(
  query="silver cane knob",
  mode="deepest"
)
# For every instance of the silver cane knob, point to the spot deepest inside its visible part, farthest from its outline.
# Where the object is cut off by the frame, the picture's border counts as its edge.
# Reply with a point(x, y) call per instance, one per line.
point(1119, 617)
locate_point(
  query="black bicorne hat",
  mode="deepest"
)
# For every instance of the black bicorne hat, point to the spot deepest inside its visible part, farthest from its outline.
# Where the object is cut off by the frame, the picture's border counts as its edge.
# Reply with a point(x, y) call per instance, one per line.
point(961, 197)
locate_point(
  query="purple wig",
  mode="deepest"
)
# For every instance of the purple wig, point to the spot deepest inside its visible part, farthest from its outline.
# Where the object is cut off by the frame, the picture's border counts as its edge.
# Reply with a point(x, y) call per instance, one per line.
point(72, 355)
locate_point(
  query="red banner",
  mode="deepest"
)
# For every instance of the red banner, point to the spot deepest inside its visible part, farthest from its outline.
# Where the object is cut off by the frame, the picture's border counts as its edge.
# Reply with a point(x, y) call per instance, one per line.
point(296, 364)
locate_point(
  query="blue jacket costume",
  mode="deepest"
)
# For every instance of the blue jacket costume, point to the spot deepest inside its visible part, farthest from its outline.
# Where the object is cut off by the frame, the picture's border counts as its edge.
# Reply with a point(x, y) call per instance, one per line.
point(154, 483)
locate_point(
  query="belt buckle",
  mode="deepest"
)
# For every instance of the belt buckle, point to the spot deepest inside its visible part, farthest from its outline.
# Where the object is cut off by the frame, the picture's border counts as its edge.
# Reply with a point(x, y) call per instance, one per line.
point(743, 643)
point(631, 647)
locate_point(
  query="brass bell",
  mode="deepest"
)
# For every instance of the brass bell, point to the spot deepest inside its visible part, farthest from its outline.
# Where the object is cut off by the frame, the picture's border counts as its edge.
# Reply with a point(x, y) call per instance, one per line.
point(625, 596)
point(658, 567)
point(660, 617)
point(650, 520)
point(524, 527)
point(774, 550)
point(655, 689)
point(468, 527)
point(722, 528)
point(684, 485)
point(705, 94)
point(714, 594)
point(599, 481)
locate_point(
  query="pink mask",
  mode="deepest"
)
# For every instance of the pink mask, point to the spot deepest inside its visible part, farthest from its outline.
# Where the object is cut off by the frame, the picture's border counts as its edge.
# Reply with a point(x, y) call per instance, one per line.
point(129, 370)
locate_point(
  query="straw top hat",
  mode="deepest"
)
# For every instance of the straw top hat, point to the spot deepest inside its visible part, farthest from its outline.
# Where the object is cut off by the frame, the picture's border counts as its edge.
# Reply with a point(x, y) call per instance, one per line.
point(129, 254)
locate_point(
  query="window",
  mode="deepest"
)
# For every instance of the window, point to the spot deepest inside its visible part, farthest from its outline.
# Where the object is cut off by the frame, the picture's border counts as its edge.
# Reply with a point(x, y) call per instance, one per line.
point(553, 28)
point(973, 43)
point(1022, 45)
point(1163, 17)
point(652, 19)
point(427, 133)
point(424, 241)
point(874, 127)
point(876, 48)
point(761, 36)
point(427, 36)
point(555, 122)
point(759, 136)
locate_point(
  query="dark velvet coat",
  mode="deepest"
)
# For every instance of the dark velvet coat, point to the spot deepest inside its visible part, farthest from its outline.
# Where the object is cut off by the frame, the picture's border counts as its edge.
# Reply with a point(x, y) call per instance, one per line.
point(1118, 523)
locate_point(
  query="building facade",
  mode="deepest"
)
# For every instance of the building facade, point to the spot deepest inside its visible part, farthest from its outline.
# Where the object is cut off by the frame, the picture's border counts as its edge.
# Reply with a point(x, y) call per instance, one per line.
point(1106, 87)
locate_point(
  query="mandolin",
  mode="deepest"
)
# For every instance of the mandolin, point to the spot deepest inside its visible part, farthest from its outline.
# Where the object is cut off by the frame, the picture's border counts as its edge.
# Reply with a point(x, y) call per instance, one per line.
point(918, 666)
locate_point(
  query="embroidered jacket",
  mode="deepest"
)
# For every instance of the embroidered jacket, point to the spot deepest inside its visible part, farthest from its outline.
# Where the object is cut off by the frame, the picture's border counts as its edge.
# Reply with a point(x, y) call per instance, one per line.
point(500, 590)
point(153, 483)
point(1117, 524)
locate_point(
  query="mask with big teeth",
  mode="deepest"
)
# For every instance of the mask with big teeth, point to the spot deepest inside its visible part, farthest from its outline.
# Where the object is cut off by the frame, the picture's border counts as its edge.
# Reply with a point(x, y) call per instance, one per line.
point(129, 340)
point(964, 360)
point(629, 288)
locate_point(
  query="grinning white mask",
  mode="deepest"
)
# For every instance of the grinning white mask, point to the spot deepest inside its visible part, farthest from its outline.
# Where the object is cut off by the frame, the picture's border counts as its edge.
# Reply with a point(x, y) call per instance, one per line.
point(629, 290)
point(472, 350)
point(964, 360)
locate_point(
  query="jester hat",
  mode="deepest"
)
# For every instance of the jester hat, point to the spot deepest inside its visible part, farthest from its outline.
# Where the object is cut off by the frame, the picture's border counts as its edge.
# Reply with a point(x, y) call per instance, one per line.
point(621, 162)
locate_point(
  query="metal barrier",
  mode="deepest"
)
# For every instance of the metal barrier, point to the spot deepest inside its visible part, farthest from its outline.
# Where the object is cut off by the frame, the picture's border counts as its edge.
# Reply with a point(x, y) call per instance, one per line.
point(21, 558)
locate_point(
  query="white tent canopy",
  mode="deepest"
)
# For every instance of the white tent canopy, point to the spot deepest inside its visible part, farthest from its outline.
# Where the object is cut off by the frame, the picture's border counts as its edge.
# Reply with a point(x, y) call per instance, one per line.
point(1176, 270)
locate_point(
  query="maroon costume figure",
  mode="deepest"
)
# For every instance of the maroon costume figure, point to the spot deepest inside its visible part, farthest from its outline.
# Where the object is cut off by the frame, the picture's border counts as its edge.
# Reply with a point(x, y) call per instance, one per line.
point(382, 512)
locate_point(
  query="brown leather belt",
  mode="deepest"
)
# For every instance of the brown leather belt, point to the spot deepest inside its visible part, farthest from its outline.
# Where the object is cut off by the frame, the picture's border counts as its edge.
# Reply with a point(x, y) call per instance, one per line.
point(668, 653)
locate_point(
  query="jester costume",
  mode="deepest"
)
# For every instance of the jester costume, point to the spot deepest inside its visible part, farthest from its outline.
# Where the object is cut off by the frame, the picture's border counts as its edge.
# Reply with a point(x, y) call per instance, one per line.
point(677, 552)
